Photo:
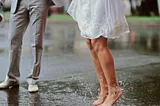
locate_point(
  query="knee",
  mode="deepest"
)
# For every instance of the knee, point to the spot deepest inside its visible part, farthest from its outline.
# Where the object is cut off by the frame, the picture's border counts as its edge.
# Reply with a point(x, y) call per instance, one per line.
point(96, 45)
point(15, 43)
point(89, 44)
point(99, 45)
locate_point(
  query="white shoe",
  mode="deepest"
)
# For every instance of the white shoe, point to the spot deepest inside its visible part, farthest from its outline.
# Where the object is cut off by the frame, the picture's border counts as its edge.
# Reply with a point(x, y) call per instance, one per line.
point(33, 88)
point(8, 85)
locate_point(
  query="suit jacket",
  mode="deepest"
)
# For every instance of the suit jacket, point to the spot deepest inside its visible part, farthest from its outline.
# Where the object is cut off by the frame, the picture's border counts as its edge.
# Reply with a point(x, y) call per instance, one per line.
point(14, 4)
point(57, 3)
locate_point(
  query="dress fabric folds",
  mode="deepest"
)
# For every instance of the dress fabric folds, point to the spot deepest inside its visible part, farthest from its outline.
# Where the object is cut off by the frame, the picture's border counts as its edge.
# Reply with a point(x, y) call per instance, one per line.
point(97, 18)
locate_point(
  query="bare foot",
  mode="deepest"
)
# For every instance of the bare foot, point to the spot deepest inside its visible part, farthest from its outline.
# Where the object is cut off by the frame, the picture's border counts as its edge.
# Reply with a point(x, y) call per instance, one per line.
point(112, 97)
point(100, 99)
point(103, 90)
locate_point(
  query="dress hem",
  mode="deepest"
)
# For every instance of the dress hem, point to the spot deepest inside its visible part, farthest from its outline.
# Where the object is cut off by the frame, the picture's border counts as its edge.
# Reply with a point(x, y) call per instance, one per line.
point(109, 37)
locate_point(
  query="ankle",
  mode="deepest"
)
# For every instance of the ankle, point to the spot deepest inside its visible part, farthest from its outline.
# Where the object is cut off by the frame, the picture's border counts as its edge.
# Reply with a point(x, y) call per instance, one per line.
point(113, 85)
point(104, 89)
point(114, 88)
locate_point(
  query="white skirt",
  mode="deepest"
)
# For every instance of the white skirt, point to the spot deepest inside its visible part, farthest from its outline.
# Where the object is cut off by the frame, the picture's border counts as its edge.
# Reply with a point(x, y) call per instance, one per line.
point(97, 18)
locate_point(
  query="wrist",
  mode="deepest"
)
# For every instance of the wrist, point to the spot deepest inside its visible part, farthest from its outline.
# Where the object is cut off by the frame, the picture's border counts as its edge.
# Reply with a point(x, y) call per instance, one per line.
point(1, 4)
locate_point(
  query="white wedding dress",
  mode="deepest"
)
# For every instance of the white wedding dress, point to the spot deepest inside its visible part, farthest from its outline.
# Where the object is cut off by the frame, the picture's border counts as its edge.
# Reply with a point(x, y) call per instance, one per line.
point(97, 18)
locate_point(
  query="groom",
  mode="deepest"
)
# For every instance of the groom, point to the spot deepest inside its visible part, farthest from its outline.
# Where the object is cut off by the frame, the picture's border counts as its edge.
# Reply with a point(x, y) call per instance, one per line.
point(24, 13)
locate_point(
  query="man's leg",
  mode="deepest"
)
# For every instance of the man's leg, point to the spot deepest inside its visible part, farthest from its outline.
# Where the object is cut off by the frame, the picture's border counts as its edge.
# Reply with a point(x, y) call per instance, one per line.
point(18, 24)
point(38, 15)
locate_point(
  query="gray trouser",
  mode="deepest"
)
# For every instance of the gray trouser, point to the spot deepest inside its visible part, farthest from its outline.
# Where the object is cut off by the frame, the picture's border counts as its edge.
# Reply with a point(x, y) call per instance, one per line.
point(32, 13)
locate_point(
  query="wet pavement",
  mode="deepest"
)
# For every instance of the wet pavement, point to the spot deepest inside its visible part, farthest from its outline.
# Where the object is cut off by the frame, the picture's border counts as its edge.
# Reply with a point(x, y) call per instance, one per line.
point(68, 77)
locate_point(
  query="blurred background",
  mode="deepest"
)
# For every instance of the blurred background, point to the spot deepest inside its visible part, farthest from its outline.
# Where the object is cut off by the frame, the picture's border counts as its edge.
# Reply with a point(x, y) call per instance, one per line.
point(141, 15)
point(68, 77)
point(133, 7)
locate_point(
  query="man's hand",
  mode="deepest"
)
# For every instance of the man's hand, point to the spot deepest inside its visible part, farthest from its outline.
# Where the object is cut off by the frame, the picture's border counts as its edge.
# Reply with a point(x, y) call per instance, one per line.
point(1, 6)
point(1, 15)
point(51, 3)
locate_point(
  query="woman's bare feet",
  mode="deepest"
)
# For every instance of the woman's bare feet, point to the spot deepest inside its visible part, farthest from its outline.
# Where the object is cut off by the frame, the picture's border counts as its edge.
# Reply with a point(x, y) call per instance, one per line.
point(100, 99)
point(103, 90)
point(112, 97)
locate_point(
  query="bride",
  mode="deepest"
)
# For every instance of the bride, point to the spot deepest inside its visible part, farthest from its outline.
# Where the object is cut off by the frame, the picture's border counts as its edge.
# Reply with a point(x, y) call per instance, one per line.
point(99, 21)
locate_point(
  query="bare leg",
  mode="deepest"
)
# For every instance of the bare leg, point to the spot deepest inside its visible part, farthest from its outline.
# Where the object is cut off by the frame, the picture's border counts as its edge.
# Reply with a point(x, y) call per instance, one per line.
point(100, 75)
point(107, 63)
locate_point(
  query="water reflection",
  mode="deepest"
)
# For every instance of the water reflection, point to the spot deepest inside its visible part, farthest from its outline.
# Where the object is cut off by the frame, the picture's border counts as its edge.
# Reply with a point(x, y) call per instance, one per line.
point(17, 97)
point(13, 96)
point(66, 37)
point(147, 40)
point(61, 37)
point(34, 99)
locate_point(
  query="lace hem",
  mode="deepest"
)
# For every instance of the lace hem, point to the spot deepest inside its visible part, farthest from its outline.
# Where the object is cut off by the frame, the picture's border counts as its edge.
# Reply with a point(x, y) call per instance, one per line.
point(106, 35)
point(96, 29)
